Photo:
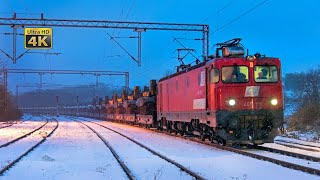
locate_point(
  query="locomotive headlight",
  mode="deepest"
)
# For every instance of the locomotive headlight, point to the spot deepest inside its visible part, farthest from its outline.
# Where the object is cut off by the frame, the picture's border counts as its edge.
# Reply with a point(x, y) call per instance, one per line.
point(274, 101)
point(232, 102)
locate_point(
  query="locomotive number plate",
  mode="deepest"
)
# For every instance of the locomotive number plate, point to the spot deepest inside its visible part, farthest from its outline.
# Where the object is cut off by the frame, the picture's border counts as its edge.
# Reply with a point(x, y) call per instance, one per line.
point(252, 91)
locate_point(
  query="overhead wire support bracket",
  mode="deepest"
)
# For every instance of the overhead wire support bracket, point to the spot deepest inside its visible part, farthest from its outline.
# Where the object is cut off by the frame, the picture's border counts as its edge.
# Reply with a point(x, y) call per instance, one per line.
point(124, 49)
point(76, 72)
point(137, 26)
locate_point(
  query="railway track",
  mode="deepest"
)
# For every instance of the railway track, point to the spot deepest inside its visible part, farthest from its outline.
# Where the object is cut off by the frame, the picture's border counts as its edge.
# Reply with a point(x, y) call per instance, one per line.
point(1, 127)
point(256, 156)
point(253, 155)
point(309, 145)
point(12, 163)
point(298, 145)
point(287, 153)
point(6, 126)
point(23, 136)
point(114, 153)
point(181, 167)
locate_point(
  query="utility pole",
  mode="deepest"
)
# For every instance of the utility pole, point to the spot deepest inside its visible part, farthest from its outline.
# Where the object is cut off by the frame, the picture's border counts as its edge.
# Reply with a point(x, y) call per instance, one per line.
point(14, 44)
point(5, 89)
point(139, 31)
point(77, 105)
point(17, 96)
point(57, 99)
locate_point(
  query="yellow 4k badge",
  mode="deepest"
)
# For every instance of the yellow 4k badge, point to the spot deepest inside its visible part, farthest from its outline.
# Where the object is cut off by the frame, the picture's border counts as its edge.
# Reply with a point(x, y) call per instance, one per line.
point(38, 38)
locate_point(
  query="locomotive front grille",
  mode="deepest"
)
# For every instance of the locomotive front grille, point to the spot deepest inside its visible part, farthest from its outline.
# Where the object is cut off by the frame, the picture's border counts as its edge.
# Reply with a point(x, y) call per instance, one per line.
point(247, 121)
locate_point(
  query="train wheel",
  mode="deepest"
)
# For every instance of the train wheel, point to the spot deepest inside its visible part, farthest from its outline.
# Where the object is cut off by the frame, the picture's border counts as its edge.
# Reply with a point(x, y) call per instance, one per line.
point(210, 138)
point(222, 142)
point(202, 137)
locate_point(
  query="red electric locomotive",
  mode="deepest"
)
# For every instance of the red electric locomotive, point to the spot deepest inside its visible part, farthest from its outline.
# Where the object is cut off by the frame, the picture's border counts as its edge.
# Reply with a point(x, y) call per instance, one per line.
point(231, 98)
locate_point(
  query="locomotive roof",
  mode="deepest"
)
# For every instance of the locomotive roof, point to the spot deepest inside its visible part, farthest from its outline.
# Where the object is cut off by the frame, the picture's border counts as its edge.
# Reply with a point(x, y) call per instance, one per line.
point(210, 61)
point(184, 71)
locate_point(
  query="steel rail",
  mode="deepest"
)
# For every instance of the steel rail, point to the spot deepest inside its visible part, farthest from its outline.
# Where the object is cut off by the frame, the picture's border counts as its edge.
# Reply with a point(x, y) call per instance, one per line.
point(2, 127)
point(7, 167)
point(23, 136)
point(114, 153)
point(252, 155)
point(286, 153)
point(180, 166)
point(309, 145)
point(297, 146)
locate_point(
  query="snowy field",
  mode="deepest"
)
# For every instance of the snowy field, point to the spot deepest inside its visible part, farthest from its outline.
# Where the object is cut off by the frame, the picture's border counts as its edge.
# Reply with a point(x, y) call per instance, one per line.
point(310, 136)
point(19, 129)
point(75, 152)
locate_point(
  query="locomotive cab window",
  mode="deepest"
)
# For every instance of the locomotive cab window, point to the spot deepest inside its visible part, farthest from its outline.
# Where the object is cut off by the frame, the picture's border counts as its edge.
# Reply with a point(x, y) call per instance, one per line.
point(266, 74)
point(214, 75)
point(235, 74)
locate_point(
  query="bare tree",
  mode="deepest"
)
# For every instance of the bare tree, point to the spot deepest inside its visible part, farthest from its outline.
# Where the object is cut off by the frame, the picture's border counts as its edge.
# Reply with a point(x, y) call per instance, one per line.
point(305, 88)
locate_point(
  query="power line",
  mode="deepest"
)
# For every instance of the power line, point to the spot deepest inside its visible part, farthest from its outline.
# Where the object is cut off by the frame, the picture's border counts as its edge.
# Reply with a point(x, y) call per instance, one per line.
point(235, 19)
point(130, 9)
point(10, 6)
point(114, 31)
point(221, 9)
point(218, 12)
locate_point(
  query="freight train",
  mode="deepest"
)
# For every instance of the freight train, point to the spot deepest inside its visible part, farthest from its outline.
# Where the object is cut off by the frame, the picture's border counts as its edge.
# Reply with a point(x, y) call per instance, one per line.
point(231, 98)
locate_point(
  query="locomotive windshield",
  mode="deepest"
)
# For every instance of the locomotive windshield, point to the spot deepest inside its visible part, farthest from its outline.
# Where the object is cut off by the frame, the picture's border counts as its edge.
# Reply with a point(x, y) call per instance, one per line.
point(235, 74)
point(266, 74)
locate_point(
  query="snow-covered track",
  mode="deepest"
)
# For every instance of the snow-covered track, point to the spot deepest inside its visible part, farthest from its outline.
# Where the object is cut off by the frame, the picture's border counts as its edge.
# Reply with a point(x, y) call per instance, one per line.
point(6, 126)
point(287, 153)
point(307, 147)
point(11, 124)
point(253, 155)
point(12, 163)
point(114, 153)
point(23, 136)
point(180, 166)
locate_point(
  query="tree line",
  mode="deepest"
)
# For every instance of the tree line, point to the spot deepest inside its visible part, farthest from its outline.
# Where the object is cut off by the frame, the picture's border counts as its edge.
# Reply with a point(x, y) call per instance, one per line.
point(8, 109)
point(302, 89)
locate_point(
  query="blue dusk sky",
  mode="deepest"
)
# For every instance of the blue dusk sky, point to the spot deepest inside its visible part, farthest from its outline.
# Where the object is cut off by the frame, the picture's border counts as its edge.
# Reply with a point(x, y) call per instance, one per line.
point(286, 29)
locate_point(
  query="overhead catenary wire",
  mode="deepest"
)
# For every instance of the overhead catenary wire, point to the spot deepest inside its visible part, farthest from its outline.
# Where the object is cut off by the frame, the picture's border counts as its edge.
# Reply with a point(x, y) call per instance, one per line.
point(238, 17)
point(130, 9)
point(122, 48)
point(248, 11)
point(8, 2)
point(114, 30)
point(218, 12)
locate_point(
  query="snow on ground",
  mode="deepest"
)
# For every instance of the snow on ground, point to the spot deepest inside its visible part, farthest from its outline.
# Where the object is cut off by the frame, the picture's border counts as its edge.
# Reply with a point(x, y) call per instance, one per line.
point(8, 123)
point(296, 141)
point(304, 136)
point(295, 150)
point(12, 151)
point(142, 163)
point(302, 162)
point(210, 162)
point(24, 117)
point(72, 152)
point(9, 133)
